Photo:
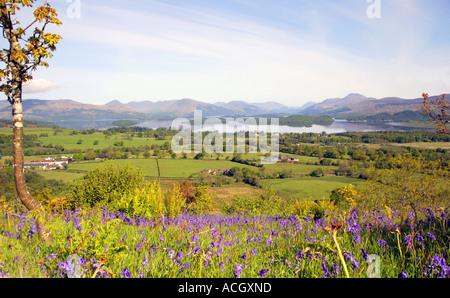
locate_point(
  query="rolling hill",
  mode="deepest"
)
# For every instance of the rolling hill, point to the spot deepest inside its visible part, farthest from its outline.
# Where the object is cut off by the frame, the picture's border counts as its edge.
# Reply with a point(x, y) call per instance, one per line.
point(354, 106)
point(357, 105)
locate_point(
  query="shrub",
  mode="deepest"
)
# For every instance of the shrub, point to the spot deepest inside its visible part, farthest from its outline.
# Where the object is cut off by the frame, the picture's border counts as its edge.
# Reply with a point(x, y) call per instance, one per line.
point(150, 201)
point(264, 204)
point(108, 182)
point(345, 196)
point(317, 173)
point(202, 202)
point(315, 209)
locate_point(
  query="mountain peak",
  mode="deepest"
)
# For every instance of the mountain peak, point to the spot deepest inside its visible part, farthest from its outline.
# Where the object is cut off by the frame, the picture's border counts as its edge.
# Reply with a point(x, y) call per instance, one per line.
point(113, 103)
point(355, 96)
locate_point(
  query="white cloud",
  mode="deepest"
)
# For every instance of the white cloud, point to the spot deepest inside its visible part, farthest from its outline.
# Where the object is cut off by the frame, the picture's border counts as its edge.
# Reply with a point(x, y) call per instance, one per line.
point(39, 86)
point(166, 51)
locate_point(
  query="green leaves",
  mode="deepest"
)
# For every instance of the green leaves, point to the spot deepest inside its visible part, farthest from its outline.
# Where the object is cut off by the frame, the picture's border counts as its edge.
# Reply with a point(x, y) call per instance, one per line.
point(25, 53)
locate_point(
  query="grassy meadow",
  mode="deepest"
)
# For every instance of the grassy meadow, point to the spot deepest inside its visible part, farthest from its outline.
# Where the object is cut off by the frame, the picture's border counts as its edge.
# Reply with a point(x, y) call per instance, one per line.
point(314, 188)
point(283, 228)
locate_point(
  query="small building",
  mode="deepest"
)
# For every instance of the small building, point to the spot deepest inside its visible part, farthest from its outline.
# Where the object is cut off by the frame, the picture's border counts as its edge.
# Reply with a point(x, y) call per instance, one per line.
point(102, 157)
point(47, 163)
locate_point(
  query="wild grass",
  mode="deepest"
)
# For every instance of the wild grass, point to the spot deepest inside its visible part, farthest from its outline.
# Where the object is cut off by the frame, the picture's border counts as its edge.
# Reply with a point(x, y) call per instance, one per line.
point(99, 243)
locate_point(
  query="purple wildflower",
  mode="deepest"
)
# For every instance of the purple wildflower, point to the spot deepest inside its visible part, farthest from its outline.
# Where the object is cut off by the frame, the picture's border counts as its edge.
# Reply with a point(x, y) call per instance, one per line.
point(382, 243)
point(237, 271)
point(402, 275)
point(430, 235)
point(171, 253)
point(126, 273)
point(325, 270)
point(179, 255)
point(439, 267)
point(336, 269)
point(263, 272)
point(145, 261)
point(365, 254)
point(222, 266)
point(348, 257)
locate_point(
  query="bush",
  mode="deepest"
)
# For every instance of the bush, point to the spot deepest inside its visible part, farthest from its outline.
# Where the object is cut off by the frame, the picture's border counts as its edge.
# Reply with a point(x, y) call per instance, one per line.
point(106, 184)
point(202, 202)
point(345, 197)
point(315, 209)
point(264, 204)
point(150, 201)
point(317, 173)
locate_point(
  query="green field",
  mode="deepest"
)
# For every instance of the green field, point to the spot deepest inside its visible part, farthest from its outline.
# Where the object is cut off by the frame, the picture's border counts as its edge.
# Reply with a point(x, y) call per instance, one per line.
point(70, 141)
point(60, 175)
point(170, 168)
point(297, 187)
point(297, 169)
point(309, 187)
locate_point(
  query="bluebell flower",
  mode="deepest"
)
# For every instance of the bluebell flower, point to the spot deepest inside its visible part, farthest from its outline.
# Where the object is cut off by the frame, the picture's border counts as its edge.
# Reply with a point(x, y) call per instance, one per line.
point(145, 261)
point(336, 269)
point(222, 266)
point(430, 235)
point(237, 271)
point(348, 257)
point(171, 253)
point(439, 267)
point(139, 246)
point(365, 254)
point(325, 270)
point(126, 273)
point(382, 243)
point(402, 275)
point(263, 272)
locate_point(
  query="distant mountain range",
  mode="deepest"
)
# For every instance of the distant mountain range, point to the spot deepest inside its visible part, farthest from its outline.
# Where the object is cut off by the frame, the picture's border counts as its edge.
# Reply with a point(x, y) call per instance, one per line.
point(351, 106)
point(357, 105)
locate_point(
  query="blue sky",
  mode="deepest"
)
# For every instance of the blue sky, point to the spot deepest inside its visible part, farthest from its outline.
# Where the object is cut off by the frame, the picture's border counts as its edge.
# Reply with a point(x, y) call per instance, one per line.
point(289, 51)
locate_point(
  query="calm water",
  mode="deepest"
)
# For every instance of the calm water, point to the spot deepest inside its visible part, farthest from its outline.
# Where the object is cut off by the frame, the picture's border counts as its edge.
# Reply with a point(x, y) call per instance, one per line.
point(338, 126)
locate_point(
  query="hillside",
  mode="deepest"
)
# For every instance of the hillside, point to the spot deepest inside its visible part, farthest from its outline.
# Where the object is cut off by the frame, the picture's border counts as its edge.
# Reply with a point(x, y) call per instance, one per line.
point(57, 110)
point(357, 105)
point(354, 106)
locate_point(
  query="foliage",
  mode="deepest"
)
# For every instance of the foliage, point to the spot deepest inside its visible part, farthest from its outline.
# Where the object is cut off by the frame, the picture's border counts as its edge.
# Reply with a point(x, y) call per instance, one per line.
point(437, 111)
point(106, 183)
point(124, 123)
point(21, 59)
point(202, 201)
point(267, 204)
point(104, 244)
point(150, 201)
point(316, 209)
point(408, 181)
point(302, 120)
point(317, 173)
point(40, 187)
point(345, 196)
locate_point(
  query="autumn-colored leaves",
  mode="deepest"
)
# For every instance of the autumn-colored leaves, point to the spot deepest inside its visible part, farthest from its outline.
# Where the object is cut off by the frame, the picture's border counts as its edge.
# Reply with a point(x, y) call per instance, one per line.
point(437, 111)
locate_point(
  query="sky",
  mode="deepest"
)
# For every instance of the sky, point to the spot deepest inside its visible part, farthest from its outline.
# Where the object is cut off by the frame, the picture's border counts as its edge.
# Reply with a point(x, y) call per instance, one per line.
point(288, 51)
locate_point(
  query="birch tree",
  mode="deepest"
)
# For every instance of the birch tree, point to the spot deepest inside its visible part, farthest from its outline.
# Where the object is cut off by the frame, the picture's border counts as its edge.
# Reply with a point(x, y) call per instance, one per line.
point(29, 47)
